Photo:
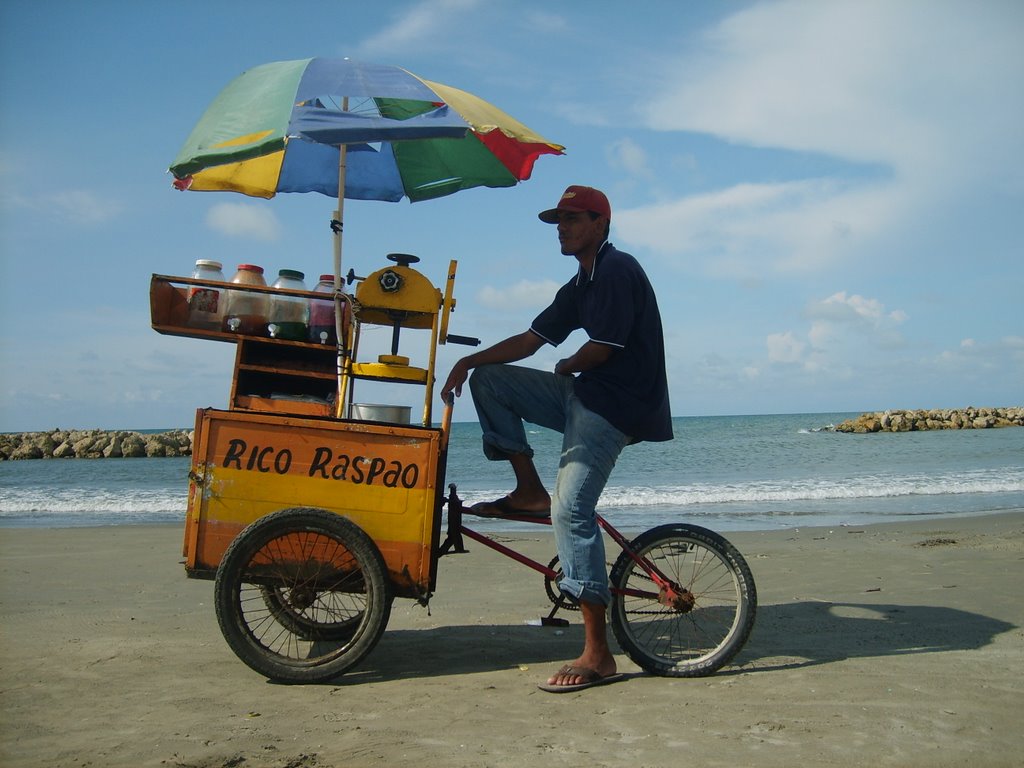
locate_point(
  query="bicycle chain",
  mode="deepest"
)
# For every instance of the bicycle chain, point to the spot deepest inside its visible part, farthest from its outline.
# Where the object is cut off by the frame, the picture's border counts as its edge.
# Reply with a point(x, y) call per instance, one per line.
point(568, 605)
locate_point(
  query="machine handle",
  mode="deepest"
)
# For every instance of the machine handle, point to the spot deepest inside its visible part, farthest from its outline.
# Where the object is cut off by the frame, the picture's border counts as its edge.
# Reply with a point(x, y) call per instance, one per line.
point(446, 419)
point(403, 259)
point(469, 341)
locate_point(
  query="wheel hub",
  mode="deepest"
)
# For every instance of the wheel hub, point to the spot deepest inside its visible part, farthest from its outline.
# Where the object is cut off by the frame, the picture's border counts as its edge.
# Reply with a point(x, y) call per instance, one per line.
point(681, 600)
point(300, 598)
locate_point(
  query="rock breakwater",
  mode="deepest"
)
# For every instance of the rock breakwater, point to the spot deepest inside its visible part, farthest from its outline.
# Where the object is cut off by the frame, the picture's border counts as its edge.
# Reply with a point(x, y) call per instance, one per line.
point(94, 444)
point(918, 421)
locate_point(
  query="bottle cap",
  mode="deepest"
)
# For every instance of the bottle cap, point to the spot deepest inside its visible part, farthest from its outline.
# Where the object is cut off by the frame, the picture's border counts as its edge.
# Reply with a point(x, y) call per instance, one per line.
point(294, 274)
point(209, 263)
point(251, 268)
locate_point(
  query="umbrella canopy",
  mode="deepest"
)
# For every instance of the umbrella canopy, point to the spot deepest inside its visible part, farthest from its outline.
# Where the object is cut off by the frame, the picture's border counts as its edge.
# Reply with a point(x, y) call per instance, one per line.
point(277, 128)
point(352, 130)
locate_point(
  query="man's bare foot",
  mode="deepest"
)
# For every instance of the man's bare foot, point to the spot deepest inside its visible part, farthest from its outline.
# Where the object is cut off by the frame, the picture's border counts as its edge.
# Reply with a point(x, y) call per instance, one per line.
point(508, 506)
point(579, 676)
point(602, 666)
point(531, 499)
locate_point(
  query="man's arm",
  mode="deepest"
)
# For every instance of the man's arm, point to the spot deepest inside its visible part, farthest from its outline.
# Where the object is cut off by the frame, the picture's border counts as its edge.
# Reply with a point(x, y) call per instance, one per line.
point(508, 351)
point(590, 355)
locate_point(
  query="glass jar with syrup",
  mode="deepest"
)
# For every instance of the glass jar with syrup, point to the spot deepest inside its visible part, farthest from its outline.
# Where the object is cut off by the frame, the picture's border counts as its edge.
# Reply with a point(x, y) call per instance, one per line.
point(247, 311)
point(289, 315)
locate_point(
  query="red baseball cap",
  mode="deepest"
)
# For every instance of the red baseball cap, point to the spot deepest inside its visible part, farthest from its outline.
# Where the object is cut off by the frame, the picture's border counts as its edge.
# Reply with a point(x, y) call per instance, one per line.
point(579, 199)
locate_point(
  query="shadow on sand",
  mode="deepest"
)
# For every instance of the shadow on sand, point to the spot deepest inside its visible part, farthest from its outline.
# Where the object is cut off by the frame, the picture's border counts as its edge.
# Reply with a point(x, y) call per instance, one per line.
point(804, 634)
point(786, 636)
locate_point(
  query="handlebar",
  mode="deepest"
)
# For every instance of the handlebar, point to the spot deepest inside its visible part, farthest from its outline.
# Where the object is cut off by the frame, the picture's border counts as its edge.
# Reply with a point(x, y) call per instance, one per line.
point(469, 341)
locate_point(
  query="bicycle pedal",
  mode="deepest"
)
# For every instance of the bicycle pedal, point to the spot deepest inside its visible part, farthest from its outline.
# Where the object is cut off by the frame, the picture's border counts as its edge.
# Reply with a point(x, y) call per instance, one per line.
point(551, 621)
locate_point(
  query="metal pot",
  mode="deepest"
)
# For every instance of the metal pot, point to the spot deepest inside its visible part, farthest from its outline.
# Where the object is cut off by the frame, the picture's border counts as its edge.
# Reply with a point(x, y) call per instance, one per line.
point(391, 414)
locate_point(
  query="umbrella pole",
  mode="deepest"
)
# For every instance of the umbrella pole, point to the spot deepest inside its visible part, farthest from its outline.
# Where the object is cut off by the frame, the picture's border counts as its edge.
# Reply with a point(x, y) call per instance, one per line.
point(338, 226)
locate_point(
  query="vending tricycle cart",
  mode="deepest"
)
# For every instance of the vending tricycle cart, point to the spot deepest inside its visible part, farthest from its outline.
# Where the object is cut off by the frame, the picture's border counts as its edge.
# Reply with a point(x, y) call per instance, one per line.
point(312, 512)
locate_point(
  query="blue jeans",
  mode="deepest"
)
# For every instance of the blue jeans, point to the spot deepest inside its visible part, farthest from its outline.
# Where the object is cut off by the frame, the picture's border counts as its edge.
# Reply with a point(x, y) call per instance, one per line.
point(505, 396)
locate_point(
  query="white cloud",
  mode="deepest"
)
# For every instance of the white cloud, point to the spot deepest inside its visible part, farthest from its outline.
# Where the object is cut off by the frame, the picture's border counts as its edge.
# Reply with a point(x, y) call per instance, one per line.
point(839, 324)
point(750, 229)
point(909, 84)
point(820, 334)
point(974, 357)
point(79, 206)
point(545, 22)
point(833, 318)
point(916, 91)
point(424, 23)
point(784, 348)
point(626, 155)
point(856, 309)
point(241, 220)
point(585, 114)
point(523, 295)
point(86, 206)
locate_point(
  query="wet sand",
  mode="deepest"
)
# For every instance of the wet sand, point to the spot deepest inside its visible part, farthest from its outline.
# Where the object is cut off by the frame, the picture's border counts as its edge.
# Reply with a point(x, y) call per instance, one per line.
point(899, 644)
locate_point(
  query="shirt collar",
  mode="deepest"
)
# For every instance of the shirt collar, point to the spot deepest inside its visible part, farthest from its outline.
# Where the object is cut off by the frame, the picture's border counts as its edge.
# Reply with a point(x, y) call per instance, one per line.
point(581, 275)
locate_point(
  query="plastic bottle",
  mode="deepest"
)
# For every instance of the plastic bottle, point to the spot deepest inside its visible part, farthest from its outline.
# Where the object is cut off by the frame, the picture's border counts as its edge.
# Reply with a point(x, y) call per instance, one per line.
point(289, 315)
point(247, 311)
point(321, 314)
point(206, 305)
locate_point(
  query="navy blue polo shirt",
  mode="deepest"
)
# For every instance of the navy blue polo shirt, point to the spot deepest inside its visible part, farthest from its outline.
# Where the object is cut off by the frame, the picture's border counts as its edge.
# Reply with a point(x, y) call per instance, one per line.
point(616, 306)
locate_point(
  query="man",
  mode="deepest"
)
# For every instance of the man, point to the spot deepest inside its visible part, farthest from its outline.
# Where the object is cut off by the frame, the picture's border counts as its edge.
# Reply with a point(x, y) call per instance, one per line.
point(610, 393)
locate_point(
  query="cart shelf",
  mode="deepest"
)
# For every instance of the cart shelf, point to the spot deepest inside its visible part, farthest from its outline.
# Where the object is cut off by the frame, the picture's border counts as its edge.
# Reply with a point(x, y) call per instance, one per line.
point(270, 375)
point(305, 378)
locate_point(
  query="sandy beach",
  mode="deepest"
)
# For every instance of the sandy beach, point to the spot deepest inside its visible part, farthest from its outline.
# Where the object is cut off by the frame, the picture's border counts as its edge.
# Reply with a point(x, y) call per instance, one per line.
point(899, 644)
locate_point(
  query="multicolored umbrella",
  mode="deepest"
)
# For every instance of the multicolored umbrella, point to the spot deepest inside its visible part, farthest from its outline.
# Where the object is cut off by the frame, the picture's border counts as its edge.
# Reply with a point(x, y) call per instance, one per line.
point(277, 127)
point(352, 130)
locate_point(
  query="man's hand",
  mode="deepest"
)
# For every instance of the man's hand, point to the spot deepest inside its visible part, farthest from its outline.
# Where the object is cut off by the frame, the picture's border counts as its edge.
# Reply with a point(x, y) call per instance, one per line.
point(457, 377)
point(508, 351)
point(589, 356)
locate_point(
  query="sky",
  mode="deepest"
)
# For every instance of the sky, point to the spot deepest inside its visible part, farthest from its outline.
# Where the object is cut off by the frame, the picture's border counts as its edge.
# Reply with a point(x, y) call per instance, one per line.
point(827, 196)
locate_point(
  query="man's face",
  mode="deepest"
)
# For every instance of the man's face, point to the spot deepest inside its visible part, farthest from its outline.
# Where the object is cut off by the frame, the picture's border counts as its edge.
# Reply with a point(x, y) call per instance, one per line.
point(578, 232)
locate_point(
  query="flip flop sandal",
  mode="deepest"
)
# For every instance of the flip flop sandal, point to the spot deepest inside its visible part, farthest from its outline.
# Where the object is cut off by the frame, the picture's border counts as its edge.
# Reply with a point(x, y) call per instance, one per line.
point(591, 679)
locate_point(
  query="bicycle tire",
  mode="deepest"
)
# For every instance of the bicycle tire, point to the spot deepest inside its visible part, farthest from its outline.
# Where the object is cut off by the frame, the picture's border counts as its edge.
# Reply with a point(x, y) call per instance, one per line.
point(336, 584)
point(698, 634)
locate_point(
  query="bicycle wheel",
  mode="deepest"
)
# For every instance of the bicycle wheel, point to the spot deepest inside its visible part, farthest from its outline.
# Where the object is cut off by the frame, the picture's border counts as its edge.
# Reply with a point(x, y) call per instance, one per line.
point(302, 595)
point(701, 622)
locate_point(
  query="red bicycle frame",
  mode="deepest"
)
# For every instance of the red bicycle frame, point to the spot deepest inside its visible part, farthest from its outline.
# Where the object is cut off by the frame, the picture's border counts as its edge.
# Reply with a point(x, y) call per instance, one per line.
point(668, 593)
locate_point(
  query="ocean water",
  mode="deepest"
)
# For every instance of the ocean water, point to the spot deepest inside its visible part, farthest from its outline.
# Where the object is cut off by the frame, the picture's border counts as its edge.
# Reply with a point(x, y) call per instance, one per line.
point(723, 472)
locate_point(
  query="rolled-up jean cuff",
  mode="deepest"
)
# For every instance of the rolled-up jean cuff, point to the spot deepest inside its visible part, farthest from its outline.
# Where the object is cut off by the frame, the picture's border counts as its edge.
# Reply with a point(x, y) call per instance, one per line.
point(499, 448)
point(588, 592)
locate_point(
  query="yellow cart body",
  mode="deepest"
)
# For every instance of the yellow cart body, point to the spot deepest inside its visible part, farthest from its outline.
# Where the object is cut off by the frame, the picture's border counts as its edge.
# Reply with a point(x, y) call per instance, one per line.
point(385, 478)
